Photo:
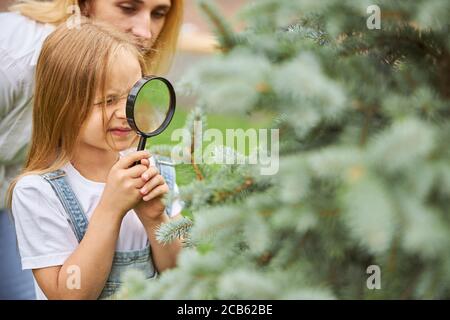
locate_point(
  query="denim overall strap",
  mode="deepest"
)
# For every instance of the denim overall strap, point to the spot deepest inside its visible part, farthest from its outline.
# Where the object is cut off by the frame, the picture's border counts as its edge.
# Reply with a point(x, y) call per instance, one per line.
point(166, 168)
point(71, 205)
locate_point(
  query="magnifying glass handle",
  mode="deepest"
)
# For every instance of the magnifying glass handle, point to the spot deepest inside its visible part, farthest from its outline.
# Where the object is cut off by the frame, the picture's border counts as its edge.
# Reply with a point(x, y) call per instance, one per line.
point(141, 146)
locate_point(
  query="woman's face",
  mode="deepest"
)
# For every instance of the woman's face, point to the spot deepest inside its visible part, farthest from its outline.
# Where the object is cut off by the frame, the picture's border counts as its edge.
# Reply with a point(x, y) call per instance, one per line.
point(143, 18)
point(124, 72)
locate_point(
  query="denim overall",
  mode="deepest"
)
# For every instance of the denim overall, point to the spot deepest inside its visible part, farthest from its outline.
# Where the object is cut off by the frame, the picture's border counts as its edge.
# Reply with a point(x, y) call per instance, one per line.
point(123, 260)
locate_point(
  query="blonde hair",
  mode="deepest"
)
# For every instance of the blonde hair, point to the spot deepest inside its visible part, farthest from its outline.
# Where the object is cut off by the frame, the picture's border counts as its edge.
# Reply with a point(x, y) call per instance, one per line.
point(157, 61)
point(69, 73)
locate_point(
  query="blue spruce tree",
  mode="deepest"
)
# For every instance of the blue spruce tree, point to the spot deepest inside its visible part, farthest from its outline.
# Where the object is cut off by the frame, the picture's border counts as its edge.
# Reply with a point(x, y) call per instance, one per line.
point(362, 108)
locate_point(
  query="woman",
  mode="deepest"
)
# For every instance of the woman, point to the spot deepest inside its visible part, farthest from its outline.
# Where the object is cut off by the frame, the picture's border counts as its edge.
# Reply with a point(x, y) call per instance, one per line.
point(155, 25)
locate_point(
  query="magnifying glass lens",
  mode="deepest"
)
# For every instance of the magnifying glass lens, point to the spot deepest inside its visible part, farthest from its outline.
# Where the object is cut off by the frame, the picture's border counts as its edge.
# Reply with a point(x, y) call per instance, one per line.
point(151, 106)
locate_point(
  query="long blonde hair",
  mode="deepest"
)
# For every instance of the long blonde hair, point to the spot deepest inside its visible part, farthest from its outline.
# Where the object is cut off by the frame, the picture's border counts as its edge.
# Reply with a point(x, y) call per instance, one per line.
point(157, 61)
point(69, 73)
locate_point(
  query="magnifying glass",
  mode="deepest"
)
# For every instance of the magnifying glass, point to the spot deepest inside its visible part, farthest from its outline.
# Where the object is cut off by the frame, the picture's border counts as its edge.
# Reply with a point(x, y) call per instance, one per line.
point(150, 107)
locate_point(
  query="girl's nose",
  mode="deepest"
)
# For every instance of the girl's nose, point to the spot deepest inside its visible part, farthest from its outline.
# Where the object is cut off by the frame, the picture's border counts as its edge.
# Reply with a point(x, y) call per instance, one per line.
point(120, 109)
point(141, 27)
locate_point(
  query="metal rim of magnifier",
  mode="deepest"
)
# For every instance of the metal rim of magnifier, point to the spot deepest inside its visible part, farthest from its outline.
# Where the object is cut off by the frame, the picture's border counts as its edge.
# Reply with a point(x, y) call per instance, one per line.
point(131, 99)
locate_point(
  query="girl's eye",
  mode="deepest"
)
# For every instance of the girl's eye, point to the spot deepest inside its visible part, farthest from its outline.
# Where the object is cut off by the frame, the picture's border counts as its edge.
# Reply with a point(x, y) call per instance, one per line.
point(111, 101)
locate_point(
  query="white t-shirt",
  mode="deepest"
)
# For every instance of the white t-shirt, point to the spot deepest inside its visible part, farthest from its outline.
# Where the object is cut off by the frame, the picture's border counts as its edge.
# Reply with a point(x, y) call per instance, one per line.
point(44, 235)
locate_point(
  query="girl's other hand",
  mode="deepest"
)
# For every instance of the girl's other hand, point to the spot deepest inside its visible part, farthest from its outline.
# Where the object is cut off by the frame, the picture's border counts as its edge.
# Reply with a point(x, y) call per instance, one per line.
point(152, 192)
point(124, 180)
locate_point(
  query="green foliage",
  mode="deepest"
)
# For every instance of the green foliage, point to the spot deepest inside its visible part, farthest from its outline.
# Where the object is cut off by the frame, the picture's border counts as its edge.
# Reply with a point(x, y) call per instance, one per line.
point(364, 173)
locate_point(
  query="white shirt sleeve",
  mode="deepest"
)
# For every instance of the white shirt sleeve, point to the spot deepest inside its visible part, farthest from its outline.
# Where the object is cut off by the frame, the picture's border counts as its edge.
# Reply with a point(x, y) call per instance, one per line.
point(15, 108)
point(21, 40)
point(8, 83)
point(44, 234)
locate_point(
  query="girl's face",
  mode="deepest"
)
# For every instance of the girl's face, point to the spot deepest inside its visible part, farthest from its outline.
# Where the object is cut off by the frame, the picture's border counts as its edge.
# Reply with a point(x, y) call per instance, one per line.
point(143, 18)
point(124, 72)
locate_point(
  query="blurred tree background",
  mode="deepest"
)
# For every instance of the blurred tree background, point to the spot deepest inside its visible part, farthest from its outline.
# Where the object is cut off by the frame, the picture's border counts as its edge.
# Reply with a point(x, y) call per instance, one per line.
point(363, 116)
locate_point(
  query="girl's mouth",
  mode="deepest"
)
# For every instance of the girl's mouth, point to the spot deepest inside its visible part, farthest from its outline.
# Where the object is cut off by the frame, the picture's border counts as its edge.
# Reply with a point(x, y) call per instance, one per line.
point(120, 132)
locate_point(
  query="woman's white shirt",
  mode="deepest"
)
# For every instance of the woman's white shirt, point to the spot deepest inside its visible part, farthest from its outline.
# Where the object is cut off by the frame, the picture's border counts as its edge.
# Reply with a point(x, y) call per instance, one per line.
point(21, 41)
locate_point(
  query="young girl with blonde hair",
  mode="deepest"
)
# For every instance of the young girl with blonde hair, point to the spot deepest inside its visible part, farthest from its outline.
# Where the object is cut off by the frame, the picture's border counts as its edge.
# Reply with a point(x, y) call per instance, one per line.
point(81, 209)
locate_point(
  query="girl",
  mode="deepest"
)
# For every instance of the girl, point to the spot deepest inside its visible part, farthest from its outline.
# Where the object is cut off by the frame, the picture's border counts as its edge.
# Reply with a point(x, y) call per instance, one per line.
point(82, 212)
point(154, 24)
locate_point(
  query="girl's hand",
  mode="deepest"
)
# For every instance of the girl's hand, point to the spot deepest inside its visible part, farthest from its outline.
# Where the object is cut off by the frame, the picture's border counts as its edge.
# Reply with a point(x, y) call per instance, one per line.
point(151, 207)
point(124, 180)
